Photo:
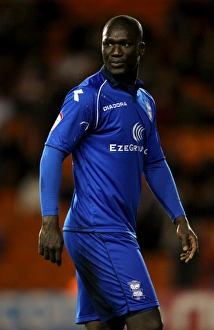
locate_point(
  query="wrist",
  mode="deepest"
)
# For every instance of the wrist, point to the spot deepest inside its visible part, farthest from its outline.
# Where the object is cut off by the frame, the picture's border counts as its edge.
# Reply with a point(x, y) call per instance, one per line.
point(181, 220)
point(50, 220)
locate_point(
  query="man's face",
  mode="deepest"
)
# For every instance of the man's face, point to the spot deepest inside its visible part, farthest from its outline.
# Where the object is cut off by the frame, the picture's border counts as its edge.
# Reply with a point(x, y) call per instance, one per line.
point(121, 48)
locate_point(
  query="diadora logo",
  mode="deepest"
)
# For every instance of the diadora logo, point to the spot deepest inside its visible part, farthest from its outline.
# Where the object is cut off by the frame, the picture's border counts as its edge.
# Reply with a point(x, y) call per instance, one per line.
point(114, 106)
point(137, 132)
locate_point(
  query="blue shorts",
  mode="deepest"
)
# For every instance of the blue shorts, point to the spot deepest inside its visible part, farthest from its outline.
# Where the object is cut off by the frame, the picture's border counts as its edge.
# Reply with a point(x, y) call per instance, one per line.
point(112, 277)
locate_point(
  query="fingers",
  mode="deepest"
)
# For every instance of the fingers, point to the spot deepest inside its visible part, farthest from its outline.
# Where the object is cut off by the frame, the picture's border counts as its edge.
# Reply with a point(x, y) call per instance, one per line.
point(185, 241)
point(46, 254)
point(40, 249)
point(51, 254)
point(55, 256)
point(50, 245)
point(186, 257)
point(188, 240)
point(58, 258)
point(190, 248)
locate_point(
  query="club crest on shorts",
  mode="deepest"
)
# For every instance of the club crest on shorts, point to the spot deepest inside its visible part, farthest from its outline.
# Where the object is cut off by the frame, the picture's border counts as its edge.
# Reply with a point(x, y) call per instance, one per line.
point(135, 288)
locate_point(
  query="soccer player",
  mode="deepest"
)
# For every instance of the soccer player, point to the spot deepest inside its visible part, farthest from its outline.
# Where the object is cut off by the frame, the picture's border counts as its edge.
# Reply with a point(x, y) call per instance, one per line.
point(108, 124)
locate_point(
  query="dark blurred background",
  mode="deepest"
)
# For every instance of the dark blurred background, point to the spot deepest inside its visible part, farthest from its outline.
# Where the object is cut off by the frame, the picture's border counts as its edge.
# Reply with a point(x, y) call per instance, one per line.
point(49, 46)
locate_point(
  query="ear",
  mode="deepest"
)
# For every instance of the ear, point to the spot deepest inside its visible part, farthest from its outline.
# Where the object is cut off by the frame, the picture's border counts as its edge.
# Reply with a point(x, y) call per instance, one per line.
point(142, 48)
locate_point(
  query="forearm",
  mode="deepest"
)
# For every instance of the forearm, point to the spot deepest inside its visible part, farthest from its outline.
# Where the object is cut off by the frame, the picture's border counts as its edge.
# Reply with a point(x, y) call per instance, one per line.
point(162, 184)
point(50, 180)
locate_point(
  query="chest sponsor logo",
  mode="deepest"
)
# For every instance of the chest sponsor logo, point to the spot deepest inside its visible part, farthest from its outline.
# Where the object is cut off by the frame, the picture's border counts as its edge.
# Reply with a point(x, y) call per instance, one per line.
point(114, 106)
point(138, 136)
point(137, 132)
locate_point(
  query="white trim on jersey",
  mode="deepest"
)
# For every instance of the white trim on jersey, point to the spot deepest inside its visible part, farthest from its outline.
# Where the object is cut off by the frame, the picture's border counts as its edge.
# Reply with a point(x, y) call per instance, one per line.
point(97, 105)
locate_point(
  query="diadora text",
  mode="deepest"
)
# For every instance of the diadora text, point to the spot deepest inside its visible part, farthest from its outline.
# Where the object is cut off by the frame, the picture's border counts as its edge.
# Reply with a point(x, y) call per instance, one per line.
point(114, 106)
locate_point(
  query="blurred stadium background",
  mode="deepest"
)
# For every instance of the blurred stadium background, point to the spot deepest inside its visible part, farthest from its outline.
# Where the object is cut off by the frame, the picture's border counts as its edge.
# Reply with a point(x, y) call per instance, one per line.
point(47, 47)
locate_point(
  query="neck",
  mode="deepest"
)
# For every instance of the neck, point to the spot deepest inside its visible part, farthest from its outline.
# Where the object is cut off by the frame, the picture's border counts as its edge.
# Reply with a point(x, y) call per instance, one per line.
point(128, 78)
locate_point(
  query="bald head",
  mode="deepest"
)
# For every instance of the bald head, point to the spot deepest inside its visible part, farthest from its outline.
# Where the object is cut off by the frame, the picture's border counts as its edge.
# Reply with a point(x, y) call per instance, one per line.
point(126, 21)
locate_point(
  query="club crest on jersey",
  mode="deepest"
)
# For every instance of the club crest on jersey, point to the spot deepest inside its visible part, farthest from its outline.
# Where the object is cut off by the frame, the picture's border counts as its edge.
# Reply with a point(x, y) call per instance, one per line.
point(137, 291)
point(149, 110)
point(57, 121)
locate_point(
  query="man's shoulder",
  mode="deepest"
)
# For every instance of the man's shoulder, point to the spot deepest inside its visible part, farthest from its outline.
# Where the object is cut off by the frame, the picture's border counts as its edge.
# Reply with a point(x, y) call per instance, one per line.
point(92, 82)
point(87, 89)
point(148, 104)
point(147, 95)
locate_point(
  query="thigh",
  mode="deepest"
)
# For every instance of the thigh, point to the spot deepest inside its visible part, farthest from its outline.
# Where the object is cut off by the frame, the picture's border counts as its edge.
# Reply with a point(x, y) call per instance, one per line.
point(113, 324)
point(85, 311)
point(95, 273)
point(113, 272)
point(131, 271)
point(149, 320)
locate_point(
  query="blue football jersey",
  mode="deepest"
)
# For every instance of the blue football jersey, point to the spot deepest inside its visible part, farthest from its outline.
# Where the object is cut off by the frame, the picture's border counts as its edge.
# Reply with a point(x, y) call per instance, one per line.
point(110, 130)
